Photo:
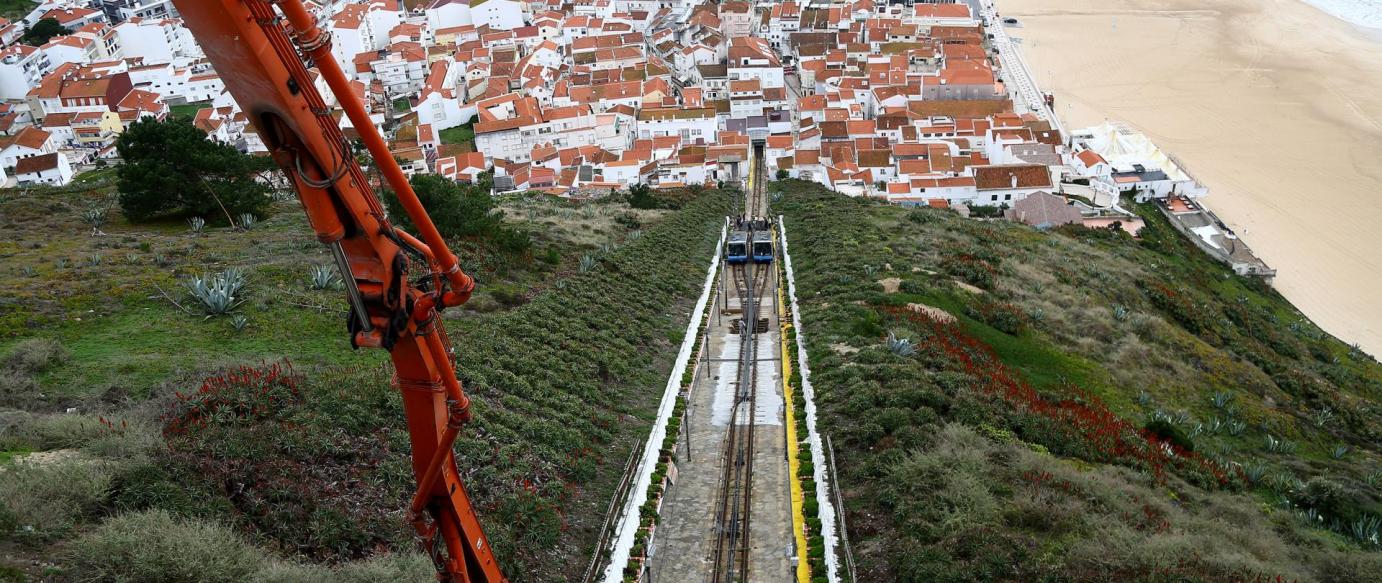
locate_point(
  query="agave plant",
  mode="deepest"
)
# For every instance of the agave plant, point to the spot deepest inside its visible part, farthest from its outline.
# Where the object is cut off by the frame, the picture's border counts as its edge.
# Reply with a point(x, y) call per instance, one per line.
point(197, 224)
point(162, 260)
point(1282, 446)
point(1323, 417)
point(29, 271)
point(131, 259)
point(1254, 472)
point(1236, 427)
point(218, 293)
point(61, 263)
point(1286, 483)
point(1221, 399)
point(246, 220)
point(1365, 529)
point(325, 277)
point(95, 217)
point(1340, 451)
point(900, 346)
point(635, 235)
point(870, 270)
point(94, 260)
point(588, 263)
point(239, 322)
point(1121, 313)
point(1163, 417)
point(1144, 398)
point(1374, 479)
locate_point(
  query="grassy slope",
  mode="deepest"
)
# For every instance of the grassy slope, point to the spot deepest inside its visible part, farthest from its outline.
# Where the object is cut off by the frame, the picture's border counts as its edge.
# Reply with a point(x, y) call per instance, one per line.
point(127, 349)
point(940, 477)
point(16, 9)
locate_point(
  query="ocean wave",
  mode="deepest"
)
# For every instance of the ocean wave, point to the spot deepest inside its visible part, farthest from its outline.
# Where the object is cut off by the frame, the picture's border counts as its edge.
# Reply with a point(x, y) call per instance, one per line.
point(1361, 12)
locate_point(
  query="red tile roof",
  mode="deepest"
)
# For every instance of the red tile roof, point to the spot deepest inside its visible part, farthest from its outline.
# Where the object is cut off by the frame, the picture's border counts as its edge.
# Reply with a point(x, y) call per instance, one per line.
point(1002, 177)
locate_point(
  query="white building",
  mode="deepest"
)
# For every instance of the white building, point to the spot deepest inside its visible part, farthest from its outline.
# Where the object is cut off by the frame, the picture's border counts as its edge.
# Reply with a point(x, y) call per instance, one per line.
point(157, 41)
point(51, 169)
point(497, 14)
point(1009, 183)
point(514, 139)
point(448, 14)
point(22, 68)
point(118, 10)
point(29, 142)
point(360, 28)
point(438, 105)
point(69, 49)
point(692, 125)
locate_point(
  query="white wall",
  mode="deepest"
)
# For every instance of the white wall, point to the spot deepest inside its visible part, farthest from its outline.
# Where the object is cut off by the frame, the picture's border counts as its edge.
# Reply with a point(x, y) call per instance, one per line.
point(498, 14)
point(146, 39)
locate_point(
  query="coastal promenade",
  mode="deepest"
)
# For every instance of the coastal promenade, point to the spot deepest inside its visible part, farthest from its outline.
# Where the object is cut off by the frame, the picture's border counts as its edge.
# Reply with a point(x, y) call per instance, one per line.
point(1017, 74)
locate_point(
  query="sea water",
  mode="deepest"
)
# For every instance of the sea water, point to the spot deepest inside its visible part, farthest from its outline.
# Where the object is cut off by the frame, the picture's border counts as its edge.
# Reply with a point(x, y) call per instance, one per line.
point(1360, 12)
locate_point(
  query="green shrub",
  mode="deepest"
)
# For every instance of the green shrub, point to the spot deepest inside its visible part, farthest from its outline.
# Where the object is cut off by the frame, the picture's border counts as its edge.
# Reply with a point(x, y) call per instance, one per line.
point(156, 547)
point(971, 266)
point(59, 431)
point(35, 355)
point(42, 499)
point(458, 211)
point(1003, 316)
point(641, 197)
point(1168, 432)
point(17, 389)
point(1331, 499)
point(155, 485)
point(212, 179)
point(124, 440)
point(391, 567)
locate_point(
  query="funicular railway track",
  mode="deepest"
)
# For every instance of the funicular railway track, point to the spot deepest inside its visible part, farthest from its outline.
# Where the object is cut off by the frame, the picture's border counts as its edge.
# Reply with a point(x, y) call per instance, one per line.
point(734, 502)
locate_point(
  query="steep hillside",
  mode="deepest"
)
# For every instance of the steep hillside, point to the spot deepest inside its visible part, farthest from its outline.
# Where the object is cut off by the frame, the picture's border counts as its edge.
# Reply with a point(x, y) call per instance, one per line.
point(141, 442)
point(1010, 404)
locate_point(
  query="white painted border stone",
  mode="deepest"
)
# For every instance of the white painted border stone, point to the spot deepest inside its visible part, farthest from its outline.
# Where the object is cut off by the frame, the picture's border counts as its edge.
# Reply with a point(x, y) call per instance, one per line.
point(827, 506)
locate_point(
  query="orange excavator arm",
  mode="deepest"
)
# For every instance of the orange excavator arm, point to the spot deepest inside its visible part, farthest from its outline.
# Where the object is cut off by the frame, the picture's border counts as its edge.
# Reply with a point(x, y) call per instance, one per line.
point(396, 284)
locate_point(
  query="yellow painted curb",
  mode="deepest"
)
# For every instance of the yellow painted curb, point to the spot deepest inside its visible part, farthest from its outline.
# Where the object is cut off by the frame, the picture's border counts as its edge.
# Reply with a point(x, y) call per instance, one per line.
point(793, 463)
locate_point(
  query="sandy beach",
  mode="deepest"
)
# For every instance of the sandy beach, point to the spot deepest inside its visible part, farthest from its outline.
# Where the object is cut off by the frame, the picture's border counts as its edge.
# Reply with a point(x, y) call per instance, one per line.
point(1273, 104)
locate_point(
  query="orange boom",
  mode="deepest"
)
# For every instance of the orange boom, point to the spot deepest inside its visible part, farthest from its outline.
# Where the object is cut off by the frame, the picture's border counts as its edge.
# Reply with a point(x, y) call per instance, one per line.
point(258, 48)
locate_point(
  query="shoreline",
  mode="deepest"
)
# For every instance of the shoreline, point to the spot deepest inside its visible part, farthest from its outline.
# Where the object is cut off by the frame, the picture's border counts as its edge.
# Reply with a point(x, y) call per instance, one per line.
point(1371, 25)
point(1275, 105)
